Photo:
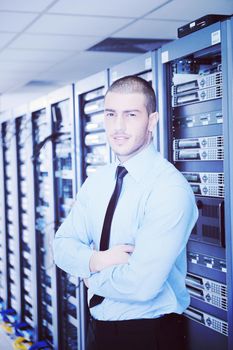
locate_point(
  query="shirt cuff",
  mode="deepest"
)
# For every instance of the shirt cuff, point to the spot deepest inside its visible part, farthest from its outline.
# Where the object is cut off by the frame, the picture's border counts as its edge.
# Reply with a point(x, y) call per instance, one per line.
point(97, 280)
point(85, 258)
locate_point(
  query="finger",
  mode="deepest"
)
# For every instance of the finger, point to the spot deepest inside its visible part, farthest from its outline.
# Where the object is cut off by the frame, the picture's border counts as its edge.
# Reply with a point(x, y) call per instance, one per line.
point(128, 248)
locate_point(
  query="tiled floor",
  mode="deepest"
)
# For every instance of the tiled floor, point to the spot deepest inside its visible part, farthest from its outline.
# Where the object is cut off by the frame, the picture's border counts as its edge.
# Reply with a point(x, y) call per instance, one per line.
point(5, 341)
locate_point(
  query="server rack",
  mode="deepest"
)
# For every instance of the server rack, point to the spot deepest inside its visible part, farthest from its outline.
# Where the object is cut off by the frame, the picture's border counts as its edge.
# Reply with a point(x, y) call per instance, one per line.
point(62, 110)
point(3, 265)
point(227, 41)
point(44, 222)
point(140, 65)
point(89, 99)
point(18, 296)
point(11, 312)
point(28, 325)
point(197, 113)
point(91, 148)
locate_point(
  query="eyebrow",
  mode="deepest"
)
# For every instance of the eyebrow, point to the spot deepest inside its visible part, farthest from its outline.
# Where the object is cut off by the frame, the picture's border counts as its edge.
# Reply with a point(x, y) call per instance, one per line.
point(109, 110)
point(125, 111)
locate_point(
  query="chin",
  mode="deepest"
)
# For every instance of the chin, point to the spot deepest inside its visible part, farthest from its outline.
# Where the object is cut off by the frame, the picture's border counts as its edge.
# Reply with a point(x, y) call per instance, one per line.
point(124, 155)
point(121, 149)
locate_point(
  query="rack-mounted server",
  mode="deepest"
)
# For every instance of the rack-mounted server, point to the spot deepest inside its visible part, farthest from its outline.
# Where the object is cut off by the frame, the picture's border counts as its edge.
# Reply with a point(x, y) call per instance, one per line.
point(44, 222)
point(195, 103)
point(62, 111)
point(11, 313)
point(89, 99)
point(29, 320)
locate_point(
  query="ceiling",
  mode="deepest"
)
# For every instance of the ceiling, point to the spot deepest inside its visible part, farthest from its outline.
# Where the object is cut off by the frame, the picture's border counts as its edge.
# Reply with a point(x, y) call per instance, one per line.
point(45, 43)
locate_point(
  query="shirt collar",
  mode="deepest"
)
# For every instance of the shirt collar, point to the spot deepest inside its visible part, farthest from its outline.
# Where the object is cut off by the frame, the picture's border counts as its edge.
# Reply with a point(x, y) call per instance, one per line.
point(138, 165)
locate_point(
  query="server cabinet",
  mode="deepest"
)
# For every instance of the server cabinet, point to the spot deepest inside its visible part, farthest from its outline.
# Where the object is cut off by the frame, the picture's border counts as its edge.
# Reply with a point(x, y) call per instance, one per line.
point(19, 309)
point(11, 270)
point(92, 146)
point(28, 325)
point(197, 113)
point(3, 256)
point(61, 106)
point(44, 222)
point(143, 66)
point(140, 65)
point(92, 150)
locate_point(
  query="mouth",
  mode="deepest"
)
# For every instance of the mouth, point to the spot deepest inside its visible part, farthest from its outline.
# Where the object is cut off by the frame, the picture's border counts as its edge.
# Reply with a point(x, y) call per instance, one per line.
point(120, 138)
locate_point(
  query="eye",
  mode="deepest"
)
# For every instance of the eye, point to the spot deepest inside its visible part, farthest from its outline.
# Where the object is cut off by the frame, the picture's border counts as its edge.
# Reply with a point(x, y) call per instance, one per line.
point(109, 114)
point(131, 114)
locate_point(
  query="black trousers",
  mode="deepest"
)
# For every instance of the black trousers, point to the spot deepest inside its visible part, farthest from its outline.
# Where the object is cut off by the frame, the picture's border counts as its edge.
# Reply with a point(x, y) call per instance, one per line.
point(163, 333)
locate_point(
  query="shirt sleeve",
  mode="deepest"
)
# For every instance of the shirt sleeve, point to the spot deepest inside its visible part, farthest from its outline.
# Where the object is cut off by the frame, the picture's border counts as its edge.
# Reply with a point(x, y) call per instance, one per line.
point(168, 221)
point(72, 245)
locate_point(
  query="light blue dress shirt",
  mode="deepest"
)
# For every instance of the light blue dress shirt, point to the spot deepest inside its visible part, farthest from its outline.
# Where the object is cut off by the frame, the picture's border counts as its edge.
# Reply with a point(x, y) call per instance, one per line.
point(156, 212)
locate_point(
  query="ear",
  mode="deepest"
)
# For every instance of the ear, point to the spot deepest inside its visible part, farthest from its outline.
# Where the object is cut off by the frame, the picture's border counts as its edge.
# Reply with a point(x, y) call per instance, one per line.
point(153, 120)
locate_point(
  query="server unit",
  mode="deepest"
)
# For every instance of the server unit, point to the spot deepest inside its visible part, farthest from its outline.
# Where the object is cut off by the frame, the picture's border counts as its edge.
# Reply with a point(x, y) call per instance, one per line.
point(44, 222)
point(10, 262)
point(62, 110)
point(89, 99)
point(194, 137)
point(28, 325)
point(3, 264)
point(39, 304)
point(18, 271)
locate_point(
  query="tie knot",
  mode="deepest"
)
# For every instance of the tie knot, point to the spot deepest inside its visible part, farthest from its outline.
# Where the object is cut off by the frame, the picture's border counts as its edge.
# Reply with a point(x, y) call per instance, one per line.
point(121, 172)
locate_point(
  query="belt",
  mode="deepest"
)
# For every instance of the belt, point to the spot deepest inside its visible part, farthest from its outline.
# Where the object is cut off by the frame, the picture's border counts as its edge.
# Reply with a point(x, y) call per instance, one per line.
point(126, 324)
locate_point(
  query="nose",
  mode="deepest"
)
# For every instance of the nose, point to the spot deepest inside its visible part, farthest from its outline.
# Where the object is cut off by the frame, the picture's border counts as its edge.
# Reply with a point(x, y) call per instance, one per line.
point(119, 123)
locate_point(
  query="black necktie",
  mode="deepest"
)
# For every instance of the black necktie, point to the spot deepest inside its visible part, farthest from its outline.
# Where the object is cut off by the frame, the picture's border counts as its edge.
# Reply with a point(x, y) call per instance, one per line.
point(105, 235)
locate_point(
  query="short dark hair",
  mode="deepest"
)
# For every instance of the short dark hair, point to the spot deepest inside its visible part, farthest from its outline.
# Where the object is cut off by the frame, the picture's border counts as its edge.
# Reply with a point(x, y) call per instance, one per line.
point(133, 83)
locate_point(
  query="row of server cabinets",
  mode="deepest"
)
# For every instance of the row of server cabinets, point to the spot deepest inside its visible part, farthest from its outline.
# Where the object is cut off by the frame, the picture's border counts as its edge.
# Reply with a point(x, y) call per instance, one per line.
point(47, 150)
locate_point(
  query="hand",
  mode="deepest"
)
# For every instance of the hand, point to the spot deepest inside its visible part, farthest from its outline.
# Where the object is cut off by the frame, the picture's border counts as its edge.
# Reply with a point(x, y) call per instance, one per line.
point(116, 255)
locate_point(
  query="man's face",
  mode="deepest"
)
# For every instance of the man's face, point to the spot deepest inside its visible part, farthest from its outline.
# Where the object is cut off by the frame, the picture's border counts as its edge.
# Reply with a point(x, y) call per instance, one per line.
point(127, 124)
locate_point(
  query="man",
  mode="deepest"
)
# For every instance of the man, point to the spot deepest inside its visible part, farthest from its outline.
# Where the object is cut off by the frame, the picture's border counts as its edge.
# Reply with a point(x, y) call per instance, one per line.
point(136, 283)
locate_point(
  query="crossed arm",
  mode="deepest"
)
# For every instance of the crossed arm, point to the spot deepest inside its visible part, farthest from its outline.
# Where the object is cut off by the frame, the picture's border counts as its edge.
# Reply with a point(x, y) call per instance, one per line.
point(73, 250)
point(114, 256)
point(124, 271)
